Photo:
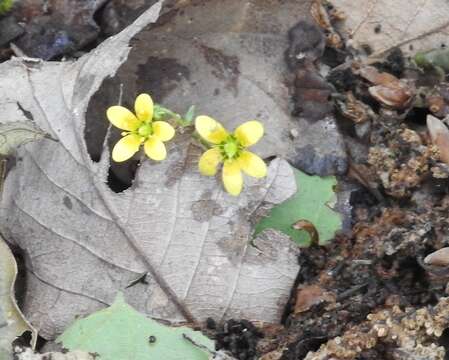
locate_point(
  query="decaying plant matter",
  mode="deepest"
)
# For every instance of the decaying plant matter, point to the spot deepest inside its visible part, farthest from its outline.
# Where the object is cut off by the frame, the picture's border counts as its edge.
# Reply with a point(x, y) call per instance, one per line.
point(409, 333)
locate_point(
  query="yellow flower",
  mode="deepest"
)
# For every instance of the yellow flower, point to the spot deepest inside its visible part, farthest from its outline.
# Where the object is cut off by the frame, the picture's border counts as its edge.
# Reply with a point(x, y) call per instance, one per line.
point(139, 129)
point(231, 150)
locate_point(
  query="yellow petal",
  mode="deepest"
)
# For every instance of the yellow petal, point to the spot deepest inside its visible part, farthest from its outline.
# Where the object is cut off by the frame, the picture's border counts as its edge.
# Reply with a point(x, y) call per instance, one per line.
point(126, 147)
point(210, 129)
point(249, 133)
point(144, 107)
point(252, 164)
point(163, 130)
point(232, 177)
point(122, 118)
point(209, 161)
point(155, 149)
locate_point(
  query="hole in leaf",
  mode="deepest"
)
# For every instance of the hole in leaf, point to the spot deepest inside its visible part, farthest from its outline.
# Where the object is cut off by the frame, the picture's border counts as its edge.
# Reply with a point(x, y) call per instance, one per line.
point(121, 175)
point(20, 285)
point(97, 124)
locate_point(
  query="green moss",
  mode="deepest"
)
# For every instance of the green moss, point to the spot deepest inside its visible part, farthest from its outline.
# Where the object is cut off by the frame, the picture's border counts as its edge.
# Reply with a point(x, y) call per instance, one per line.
point(5, 6)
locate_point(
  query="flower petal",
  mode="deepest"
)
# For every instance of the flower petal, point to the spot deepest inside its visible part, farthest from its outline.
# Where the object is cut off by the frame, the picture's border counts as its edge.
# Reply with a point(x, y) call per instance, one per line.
point(163, 130)
point(252, 164)
point(126, 147)
point(155, 149)
point(249, 133)
point(210, 129)
point(122, 118)
point(144, 107)
point(209, 161)
point(232, 177)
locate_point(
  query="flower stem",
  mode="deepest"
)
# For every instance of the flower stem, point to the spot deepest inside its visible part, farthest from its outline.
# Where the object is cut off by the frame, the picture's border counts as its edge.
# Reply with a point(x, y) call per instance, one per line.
point(201, 142)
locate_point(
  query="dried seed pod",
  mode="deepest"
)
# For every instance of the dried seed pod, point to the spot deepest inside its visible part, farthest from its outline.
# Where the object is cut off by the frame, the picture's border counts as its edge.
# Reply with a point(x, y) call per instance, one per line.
point(354, 109)
point(439, 134)
point(436, 104)
point(438, 258)
point(396, 95)
point(388, 89)
point(376, 77)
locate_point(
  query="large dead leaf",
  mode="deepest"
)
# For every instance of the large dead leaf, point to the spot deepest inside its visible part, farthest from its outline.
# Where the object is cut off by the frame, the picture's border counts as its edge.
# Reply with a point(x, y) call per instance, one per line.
point(84, 242)
point(12, 322)
point(413, 25)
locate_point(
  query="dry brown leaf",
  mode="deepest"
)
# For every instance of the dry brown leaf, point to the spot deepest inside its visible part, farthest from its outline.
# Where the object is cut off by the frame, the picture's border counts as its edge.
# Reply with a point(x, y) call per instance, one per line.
point(413, 25)
point(311, 295)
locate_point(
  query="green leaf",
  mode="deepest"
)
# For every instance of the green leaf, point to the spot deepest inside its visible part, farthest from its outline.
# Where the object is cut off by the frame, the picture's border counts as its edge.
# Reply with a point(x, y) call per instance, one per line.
point(5, 5)
point(190, 114)
point(438, 58)
point(313, 202)
point(17, 133)
point(119, 332)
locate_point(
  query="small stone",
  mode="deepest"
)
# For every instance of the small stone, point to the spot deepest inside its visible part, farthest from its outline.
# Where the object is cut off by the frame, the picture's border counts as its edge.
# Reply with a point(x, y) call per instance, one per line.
point(382, 331)
point(320, 150)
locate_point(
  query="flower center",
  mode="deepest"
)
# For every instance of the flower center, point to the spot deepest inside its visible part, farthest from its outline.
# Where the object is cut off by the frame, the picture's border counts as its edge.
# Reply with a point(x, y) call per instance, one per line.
point(145, 130)
point(230, 148)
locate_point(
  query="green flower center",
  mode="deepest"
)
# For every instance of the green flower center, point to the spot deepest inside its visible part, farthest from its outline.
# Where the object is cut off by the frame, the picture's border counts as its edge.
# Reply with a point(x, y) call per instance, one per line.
point(145, 130)
point(230, 148)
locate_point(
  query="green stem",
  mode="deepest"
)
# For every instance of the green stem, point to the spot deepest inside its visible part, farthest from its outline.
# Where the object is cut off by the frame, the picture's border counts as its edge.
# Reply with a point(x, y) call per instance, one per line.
point(201, 142)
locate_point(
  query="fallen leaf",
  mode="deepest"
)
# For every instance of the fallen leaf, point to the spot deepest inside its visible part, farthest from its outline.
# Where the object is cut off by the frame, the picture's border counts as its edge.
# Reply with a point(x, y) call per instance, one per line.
point(12, 322)
point(119, 332)
point(84, 243)
point(412, 25)
point(313, 202)
point(439, 134)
